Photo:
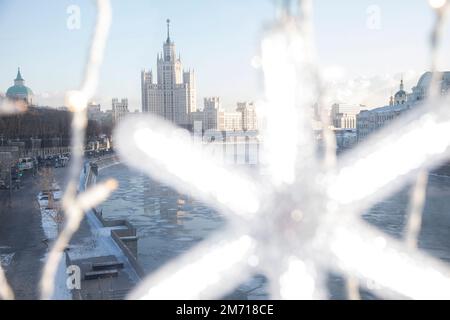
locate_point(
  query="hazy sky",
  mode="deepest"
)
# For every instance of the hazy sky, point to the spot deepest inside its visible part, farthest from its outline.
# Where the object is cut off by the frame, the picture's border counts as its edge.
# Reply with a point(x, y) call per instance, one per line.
point(217, 38)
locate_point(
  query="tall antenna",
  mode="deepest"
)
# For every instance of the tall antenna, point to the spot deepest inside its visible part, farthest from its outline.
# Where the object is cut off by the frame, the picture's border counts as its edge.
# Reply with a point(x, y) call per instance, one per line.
point(168, 30)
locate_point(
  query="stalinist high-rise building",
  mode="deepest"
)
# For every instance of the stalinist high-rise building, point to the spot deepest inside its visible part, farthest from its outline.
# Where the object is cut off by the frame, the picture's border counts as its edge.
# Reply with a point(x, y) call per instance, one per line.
point(173, 96)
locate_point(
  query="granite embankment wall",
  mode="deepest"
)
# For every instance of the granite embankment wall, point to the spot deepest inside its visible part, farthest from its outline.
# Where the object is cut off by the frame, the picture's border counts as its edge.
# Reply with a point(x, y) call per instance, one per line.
point(123, 232)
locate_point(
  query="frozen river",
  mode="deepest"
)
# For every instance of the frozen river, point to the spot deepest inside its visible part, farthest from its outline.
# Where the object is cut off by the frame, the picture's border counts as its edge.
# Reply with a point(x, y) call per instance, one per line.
point(168, 226)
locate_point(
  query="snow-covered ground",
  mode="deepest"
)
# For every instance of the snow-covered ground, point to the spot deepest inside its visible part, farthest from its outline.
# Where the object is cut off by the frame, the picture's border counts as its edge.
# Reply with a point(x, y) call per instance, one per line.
point(61, 292)
point(49, 224)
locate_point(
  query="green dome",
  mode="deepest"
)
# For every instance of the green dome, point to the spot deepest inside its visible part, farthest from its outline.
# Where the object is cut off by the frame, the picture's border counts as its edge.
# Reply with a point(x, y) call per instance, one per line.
point(19, 91)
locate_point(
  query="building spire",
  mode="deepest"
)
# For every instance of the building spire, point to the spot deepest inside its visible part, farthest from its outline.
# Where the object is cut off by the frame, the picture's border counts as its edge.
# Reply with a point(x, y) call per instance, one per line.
point(401, 83)
point(18, 81)
point(168, 30)
point(19, 76)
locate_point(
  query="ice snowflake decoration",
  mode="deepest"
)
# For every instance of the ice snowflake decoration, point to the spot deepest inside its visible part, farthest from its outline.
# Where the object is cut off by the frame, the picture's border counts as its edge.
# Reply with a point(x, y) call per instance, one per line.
point(300, 217)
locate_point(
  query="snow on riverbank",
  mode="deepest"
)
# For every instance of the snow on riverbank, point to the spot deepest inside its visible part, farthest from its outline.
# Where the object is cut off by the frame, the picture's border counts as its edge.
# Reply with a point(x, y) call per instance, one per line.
point(51, 227)
point(48, 221)
point(61, 291)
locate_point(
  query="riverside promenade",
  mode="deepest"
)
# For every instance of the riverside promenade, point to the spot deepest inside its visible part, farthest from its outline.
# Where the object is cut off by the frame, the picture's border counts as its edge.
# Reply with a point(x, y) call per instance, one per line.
point(103, 250)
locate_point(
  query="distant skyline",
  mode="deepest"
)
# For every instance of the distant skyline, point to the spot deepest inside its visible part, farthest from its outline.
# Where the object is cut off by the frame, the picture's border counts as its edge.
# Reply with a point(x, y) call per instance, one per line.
point(218, 39)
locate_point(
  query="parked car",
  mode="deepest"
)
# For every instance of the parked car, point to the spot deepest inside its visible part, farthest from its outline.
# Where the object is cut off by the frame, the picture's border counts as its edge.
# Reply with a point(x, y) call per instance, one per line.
point(55, 192)
point(26, 164)
point(44, 197)
point(43, 200)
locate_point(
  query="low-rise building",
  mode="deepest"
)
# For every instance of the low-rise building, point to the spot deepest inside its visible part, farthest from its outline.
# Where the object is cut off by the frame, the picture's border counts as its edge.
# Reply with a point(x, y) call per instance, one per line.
point(94, 111)
point(343, 116)
point(230, 121)
point(368, 121)
point(212, 117)
point(211, 111)
point(248, 112)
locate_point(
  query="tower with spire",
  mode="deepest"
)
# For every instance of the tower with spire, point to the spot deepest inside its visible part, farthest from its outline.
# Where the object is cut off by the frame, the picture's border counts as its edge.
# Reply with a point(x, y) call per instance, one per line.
point(19, 81)
point(19, 91)
point(169, 46)
point(173, 96)
point(401, 96)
